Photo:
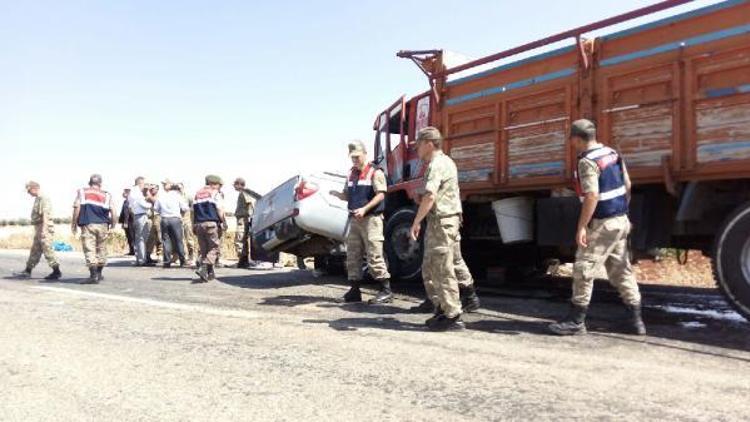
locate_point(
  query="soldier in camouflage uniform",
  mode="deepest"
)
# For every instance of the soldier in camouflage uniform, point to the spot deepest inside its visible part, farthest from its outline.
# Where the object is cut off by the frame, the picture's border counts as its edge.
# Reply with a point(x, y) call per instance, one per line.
point(187, 225)
point(602, 235)
point(94, 214)
point(44, 230)
point(154, 237)
point(243, 214)
point(365, 194)
point(441, 206)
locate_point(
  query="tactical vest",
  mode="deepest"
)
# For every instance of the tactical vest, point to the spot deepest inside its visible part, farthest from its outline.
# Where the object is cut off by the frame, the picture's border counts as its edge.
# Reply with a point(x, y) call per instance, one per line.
point(612, 191)
point(360, 190)
point(94, 206)
point(205, 208)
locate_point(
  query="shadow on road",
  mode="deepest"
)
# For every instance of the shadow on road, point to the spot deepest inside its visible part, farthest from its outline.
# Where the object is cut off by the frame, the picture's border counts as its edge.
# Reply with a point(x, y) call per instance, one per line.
point(254, 280)
point(353, 324)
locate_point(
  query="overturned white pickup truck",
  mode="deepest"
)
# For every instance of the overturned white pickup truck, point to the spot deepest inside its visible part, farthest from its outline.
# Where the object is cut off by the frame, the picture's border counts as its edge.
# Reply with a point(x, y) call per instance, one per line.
point(301, 217)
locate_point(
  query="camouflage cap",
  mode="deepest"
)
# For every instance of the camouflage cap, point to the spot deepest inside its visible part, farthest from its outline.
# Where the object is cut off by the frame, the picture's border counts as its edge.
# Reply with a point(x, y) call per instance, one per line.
point(357, 148)
point(429, 134)
point(213, 179)
point(31, 184)
point(583, 128)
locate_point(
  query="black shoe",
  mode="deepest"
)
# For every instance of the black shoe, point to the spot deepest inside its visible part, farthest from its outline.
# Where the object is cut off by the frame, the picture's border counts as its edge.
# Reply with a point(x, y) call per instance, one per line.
point(149, 264)
point(385, 295)
point(635, 321)
point(573, 324)
point(426, 307)
point(202, 272)
point(99, 270)
point(183, 264)
point(55, 274)
point(469, 299)
point(93, 276)
point(211, 273)
point(443, 323)
point(354, 294)
point(23, 274)
point(166, 265)
point(431, 320)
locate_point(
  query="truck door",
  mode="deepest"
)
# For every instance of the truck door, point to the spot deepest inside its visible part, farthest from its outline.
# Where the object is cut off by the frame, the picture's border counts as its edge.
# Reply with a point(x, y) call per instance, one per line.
point(391, 141)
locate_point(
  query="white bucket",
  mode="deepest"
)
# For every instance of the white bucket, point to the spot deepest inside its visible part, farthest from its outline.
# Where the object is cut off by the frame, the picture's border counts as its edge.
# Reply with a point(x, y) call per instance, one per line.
point(515, 218)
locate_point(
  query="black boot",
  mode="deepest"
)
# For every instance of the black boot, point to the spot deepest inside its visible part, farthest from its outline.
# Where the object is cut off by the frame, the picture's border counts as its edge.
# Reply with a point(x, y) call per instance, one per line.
point(26, 273)
point(55, 274)
point(574, 323)
point(202, 273)
point(426, 307)
point(469, 299)
point(438, 313)
point(93, 276)
point(635, 321)
point(443, 323)
point(354, 294)
point(211, 273)
point(243, 263)
point(99, 276)
point(385, 295)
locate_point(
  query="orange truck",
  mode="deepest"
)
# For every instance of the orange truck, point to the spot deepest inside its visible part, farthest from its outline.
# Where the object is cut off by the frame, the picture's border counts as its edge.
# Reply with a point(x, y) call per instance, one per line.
point(672, 96)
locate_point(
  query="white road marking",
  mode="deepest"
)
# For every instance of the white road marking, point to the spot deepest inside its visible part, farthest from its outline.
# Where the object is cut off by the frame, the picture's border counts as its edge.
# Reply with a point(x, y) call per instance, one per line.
point(235, 313)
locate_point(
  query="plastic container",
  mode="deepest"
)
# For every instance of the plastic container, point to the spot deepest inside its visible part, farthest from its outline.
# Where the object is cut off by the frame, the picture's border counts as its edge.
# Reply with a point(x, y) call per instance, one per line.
point(515, 218)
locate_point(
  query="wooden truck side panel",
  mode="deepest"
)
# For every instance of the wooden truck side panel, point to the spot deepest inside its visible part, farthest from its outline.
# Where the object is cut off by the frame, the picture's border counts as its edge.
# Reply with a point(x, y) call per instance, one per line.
point(673, 96)
point(658, 89)
point(507, 127)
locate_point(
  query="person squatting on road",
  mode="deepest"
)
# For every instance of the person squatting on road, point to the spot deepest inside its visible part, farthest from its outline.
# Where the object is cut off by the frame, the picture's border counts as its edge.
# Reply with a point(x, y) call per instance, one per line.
point(602, 233)
point(171, 206)
point(44, 231)
point(94, 214)
point(365, 195)
point(442, 264)
point(208, 222)
point(140, 205)
point(243, 214)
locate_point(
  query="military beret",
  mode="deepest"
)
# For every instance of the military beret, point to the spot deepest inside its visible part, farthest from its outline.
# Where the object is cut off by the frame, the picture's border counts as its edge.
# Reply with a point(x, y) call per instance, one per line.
point(213, 179)
point(356, 148)
point(583, 128)
point(429, 134)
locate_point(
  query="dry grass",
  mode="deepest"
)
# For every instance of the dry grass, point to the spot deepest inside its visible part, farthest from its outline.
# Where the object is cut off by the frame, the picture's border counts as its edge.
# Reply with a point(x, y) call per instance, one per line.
point(22, 238)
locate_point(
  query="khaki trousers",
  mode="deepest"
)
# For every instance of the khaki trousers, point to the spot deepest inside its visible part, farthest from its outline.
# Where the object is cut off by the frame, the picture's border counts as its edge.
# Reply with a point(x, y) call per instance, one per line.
point(94, 242)
point(608, 246)
point(365, 241)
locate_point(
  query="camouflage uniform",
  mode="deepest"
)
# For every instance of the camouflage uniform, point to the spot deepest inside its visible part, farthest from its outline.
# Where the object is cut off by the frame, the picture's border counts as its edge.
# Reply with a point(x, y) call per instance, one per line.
point(94, 243)
point(243, 214)
point(44, 230)
point(607, 245)
point(187, 228)
point(365, 240)
point(154, 238)
point(442, 260)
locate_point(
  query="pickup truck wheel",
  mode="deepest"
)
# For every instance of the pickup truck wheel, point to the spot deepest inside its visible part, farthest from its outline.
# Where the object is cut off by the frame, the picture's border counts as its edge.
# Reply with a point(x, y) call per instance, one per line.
point(404, 256)
point(731, 259)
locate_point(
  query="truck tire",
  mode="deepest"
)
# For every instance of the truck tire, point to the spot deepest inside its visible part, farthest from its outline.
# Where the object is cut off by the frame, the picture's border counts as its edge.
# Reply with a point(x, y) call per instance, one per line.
point(731, 259)
point(404, 256)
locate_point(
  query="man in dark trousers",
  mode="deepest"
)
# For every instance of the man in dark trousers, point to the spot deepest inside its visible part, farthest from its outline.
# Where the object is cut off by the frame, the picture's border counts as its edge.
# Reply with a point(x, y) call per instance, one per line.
point(126, 221)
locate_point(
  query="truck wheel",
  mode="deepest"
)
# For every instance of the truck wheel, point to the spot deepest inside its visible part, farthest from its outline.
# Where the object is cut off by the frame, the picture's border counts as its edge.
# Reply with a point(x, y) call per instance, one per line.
point(731, 259)
point(404, 256)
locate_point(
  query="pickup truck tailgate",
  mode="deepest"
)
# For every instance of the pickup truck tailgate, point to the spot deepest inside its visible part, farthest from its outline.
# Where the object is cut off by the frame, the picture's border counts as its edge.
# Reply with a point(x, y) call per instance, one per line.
point(275, 205)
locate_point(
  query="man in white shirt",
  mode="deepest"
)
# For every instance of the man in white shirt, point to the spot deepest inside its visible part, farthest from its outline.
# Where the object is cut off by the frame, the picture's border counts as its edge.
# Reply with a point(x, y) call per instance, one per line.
point(140, 205)
point(171, 205)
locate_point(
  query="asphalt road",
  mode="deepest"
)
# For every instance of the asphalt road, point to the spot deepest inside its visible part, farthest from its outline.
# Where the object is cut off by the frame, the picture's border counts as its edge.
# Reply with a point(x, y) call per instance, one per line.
point(275, 345)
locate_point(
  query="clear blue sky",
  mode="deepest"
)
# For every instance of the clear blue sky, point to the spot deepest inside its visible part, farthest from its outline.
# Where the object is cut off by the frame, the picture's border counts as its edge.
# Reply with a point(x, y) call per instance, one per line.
point(263, 90)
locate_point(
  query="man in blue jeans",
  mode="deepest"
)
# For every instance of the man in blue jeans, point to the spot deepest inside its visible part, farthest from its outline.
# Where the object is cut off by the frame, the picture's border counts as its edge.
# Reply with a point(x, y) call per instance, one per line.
point(171, 206)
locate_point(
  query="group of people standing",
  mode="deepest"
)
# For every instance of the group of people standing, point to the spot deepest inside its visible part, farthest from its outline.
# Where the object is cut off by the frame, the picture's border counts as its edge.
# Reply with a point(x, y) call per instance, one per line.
point(169, 223)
